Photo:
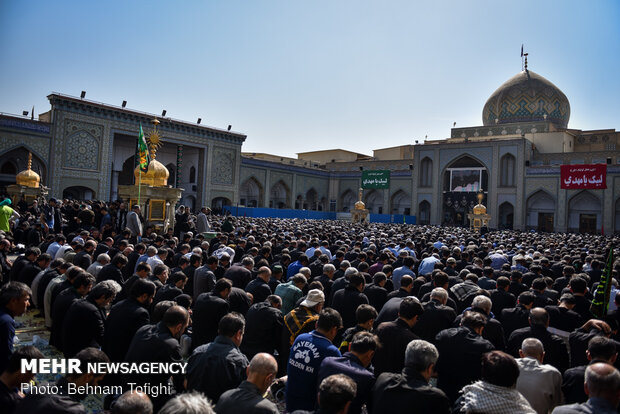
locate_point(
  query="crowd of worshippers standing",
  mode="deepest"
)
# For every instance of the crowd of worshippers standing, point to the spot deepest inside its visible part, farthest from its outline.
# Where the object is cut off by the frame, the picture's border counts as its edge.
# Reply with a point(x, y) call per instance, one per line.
point(307, 316)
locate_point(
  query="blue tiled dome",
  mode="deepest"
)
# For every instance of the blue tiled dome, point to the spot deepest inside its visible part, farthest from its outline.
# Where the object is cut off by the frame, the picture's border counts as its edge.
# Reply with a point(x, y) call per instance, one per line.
point(527, 97)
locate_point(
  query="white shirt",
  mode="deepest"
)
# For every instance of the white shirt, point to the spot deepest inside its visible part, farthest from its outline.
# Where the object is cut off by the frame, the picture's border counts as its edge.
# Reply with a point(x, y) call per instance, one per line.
point(540, 384)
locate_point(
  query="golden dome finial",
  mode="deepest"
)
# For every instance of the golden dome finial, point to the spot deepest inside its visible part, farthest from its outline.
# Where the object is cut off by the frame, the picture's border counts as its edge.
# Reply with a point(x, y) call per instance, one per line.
point(157, 174)
point(28, 178)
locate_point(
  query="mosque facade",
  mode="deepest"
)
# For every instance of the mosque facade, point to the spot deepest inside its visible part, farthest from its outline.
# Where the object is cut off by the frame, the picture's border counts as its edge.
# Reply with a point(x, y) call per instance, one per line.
point(519, 158)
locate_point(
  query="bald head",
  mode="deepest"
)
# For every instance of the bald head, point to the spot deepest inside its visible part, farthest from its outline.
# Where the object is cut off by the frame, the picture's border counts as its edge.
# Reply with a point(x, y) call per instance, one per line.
point(532, 348)
point(262, 371)
point(602, 380)
point(539, 317)
point(263, 364)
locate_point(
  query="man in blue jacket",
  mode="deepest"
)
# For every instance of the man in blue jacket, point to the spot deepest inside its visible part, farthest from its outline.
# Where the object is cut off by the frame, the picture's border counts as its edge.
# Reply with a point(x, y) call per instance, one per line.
point(307, 353)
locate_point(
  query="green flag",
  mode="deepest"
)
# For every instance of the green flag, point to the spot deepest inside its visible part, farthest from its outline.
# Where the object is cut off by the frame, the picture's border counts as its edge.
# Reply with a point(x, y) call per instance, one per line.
point(143, 152)
point(600, 303)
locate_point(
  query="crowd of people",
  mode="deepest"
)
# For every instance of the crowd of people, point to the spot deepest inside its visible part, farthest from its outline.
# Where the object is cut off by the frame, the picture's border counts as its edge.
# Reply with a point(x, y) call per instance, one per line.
point(322, 316)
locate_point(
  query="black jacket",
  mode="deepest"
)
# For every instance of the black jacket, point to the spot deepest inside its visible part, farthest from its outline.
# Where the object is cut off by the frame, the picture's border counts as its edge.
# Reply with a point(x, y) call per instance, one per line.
point(436, 318)
point(239, 276)
point(259, 289)
point(83, 259)
point(377, 296)
point(154, 343)
point(346, 302)
point(216, 367)
point(124, 320)
point(493, 331)
point(515, 318)
point(562, 318)
point(263, 330)
point(110, 272)
point(63, 302)
point(208, 309)
point(83, 327)
point(406, 392)
point(394, 337)
point(501, 300)
point(245, 399)
point(460, 352)
point(166, 292)
point(556, 353)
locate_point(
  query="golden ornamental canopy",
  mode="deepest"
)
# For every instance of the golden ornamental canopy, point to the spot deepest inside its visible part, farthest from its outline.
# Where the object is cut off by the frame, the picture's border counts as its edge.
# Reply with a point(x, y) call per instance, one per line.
point(28, 178)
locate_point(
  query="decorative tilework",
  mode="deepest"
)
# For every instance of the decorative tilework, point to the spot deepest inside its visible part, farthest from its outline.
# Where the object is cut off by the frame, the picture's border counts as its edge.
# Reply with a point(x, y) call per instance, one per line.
point(224, 160)
point(527, 97)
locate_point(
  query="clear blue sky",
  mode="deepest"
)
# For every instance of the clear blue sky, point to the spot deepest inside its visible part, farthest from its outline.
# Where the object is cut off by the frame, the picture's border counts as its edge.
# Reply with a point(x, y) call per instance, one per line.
point(307, 75)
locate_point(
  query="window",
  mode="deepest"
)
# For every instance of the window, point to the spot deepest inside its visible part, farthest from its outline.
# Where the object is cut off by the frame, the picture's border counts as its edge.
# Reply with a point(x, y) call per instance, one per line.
point(426, 172)
point(192, 174)
point(507, 167)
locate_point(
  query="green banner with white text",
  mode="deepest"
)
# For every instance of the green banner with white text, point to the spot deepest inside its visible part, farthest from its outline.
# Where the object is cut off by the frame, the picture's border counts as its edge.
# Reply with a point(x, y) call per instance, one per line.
point(376, 179)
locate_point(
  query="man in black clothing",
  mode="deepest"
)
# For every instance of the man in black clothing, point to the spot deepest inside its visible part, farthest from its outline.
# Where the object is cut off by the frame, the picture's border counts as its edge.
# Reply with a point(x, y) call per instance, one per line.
point(29, 256)
point(410, 390)
point(113, 271)
point(172, 289)
point(600, 349)
point(84, 258)
point(493, 331)
point(436, 316)
point(326, 279)
point(395, 336)
point(31, 269)
point(517, 317)
point(556, 353)
point(516, 287)
point(263, 328)
point(460, 352)
point(248, 397)
point(259, 287)
point(406, 285)
point(579, 288)
point(85, 320)
point(13, 377)
point(579, 338)
point(133, 257)
point(562, 317)
point(501, 298)
point(208, 309)
point(240, 274)
point(57, 267)
point(160, 275)
point(143, 271)
point(538, 289)
point(347, 300)
point(82, 284)
point(126, 317)
point(376, 292)
point(219, 366)
point(195, 261)
point(365, 316)
point(159, 343)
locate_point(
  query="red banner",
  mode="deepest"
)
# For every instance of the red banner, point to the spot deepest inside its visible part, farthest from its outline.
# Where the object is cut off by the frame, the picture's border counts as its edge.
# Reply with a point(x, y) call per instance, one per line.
point(584, 176)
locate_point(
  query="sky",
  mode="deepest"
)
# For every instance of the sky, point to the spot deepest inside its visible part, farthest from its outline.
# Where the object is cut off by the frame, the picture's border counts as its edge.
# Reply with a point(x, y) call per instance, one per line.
point(298, 76)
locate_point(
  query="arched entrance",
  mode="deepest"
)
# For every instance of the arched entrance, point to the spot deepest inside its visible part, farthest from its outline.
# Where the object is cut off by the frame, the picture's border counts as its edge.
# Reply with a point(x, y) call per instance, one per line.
point(401, 203)
point(172, 169)
point(279, 195)
point(311, 200)
point(78, 192)
point(374, 202)
point(251, 193)
point(584, 213)
point(348, 200)
point(506, 216)
point(16, 160)
point(190, 201)
point(424, 213)
point(462, 179)
point(126, 176)
point(540, 212)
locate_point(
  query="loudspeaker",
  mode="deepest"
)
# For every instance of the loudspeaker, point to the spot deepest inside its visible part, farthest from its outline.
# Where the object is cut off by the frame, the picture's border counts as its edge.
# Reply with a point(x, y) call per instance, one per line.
point(608, 160)
point(527, 163)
